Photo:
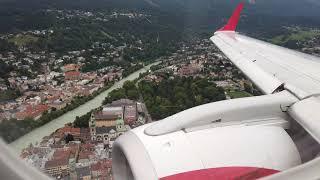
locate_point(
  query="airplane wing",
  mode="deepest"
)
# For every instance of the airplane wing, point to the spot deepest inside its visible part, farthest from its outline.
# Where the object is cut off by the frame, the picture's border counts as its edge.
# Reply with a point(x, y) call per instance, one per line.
point(272, 68)
point(243, 138)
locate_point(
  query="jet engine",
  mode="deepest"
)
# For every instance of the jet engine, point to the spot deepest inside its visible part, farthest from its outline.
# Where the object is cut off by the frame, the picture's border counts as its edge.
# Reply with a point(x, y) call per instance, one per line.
point(240, 138)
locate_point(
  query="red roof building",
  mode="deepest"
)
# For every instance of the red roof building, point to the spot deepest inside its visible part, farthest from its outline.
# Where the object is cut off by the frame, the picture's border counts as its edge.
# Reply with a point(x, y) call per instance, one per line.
point(85, 134)
point(62, 154)
point(30, 111)
point(87, 147)
point(85, 156)
point(71, 67)
point(130, 114)
point(101, 169)
point(59, 165)
point(75, 132)
point(72, 75)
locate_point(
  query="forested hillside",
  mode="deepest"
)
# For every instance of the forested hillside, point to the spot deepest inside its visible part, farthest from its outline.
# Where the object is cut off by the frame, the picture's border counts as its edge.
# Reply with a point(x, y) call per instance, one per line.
point(262, 18)
point(171, 96)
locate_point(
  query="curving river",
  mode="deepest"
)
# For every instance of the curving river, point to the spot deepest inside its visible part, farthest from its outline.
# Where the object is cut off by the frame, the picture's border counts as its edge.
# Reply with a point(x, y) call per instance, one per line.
point(37, 134)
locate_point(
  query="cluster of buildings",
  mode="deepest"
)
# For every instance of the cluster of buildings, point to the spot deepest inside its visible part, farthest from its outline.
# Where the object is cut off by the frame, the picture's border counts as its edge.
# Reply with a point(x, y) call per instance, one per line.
point(75, 158)
point(95, 16)
point(114, 119)
point(85, 153)
point(53, 90)
point(50, 80)
point(200, 59)
point(192, 68)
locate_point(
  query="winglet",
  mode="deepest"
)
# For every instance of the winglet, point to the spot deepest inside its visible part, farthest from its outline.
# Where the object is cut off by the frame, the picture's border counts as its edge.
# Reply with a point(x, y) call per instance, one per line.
point(234, 19)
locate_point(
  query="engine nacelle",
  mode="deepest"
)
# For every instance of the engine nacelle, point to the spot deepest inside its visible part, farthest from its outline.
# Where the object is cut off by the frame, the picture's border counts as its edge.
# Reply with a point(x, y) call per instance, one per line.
point(225, 149)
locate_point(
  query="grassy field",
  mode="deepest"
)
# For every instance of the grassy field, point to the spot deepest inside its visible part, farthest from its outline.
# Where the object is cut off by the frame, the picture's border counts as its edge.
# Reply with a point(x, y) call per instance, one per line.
point(22, 40)
point(301, 35)
point(238, 94)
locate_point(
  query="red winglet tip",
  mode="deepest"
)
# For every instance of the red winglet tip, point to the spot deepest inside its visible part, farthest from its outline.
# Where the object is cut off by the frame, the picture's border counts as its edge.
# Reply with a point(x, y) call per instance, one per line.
point(234, 19)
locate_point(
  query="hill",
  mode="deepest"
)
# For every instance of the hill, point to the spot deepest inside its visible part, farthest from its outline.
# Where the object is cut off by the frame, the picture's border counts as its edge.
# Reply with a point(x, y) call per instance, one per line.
point(263, 19)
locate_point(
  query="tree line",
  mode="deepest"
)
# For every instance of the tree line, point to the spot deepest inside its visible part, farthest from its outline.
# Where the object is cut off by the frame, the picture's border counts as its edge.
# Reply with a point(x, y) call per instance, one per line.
point(128, 91)
point(171, 96)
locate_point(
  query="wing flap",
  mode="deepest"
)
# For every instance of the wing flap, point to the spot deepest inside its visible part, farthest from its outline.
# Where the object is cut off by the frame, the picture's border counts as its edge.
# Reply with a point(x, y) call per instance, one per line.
point(266, 83)
point(270, 66)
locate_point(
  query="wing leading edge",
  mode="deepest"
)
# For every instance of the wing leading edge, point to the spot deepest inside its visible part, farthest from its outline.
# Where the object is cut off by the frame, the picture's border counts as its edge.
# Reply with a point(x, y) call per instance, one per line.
point(270, 67)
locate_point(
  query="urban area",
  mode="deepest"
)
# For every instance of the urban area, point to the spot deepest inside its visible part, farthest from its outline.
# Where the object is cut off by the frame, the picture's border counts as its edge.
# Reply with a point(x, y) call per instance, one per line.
point(85, 153)
point(49, 71)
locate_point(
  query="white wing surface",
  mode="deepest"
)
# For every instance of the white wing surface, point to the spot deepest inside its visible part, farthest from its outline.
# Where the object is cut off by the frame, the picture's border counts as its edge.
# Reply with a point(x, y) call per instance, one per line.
point(269, 66)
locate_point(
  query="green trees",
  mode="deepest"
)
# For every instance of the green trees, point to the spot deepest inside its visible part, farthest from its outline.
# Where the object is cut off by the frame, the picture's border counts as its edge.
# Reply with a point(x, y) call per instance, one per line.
point(9, 94)
point(130, 69)
point(133, 94)
point(95, 65)
point(83, 121)
point(69, 138)
point(128, 85)
point(7, 46)
point(174, 95)
point(13, 129)
point(5, 69)
point(128, 91)
point(131, 90)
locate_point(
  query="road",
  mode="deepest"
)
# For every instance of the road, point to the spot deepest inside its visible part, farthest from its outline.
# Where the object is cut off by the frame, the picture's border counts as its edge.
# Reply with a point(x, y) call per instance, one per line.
point(37, 134)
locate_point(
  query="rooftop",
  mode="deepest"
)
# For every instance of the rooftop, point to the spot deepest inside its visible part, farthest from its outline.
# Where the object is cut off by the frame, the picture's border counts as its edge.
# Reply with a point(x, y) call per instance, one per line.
point(85, 154)
point(69, 130)
point(83, 171)
point(100, 116)
point(71, 67)
point(109, 113)
point(122, 102)
point(104, 130)
point(56, 162)
point(87, 146)
point(102, 165)
point(130, 111)
point(111, 110)
point(72, 73)
point(61, 154)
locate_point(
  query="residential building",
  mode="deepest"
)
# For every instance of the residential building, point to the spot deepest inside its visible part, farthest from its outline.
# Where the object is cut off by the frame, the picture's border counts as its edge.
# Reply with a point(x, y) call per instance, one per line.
point(72, 75)
point(30, 111)
point(57, 104)
point(83, 173)
point(101, 169)
point(107, 117)
point(58, 167)
point(71, 67)
point(75, 132)
point(130, 114)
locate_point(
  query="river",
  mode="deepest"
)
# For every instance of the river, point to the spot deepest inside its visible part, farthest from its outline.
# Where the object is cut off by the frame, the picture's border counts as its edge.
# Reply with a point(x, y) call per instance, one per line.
point(37, 134)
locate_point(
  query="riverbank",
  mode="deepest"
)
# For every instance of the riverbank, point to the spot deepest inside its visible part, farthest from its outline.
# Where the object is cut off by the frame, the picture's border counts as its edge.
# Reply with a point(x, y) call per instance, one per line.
point(13, 129)
point(37, 134)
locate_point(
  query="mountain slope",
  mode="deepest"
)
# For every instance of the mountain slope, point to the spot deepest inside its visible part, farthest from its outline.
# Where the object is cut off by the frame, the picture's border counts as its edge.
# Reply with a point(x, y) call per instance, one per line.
point(264, 16)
